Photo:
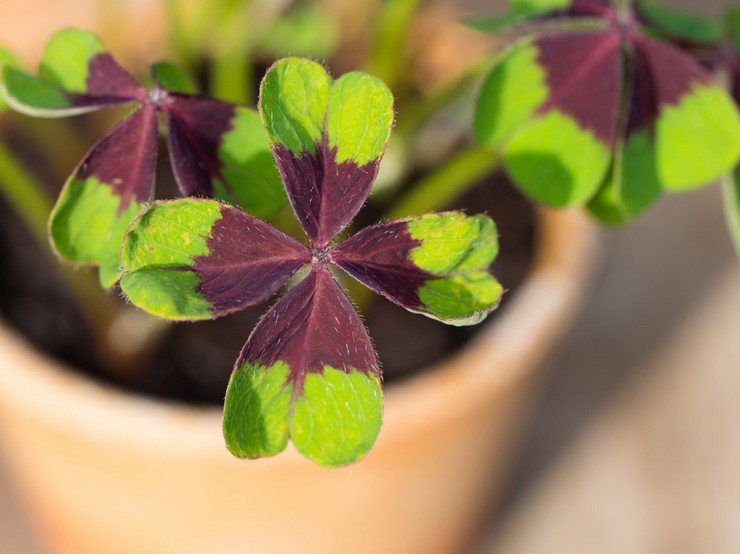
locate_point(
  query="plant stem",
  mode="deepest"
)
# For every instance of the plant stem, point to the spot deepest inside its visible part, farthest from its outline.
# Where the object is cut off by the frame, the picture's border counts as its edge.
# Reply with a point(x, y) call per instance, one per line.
point(102, 313)
point(440, 188)
point(231, 75)
point(731, 203)
point(387, 55)
point(24, 193)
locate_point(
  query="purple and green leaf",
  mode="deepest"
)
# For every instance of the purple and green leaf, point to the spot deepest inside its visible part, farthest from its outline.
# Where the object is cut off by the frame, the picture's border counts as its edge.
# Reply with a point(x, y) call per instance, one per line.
point(697, 125)
point(308, 372)
point(538, 107)
point(327, 139)
point(220, 150)
point(633, 182)
point(76, 75)
point(106, 191)
point(191, 259)
point(435, 264)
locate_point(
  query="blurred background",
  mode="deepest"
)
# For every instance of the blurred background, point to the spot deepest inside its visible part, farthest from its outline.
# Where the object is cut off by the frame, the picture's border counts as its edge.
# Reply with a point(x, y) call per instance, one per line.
point(634, 446)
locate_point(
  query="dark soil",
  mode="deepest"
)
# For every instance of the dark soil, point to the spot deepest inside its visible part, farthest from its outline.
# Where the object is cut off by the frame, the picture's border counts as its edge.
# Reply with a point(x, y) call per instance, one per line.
point(195, 359)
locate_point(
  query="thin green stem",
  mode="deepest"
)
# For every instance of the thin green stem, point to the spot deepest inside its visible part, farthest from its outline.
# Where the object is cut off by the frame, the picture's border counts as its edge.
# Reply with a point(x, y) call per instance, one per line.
point(386, 57)
point(24, 193)
point(731, 203)
point(442, 187)
point(103, 314)
point(231, 75)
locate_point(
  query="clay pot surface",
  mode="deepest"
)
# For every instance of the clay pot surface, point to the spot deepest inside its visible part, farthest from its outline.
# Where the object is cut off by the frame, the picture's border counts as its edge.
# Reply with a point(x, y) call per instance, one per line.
point(107, 471)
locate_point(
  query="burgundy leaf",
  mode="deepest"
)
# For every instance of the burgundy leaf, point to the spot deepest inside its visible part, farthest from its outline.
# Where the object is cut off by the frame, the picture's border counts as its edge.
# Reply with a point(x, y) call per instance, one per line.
point(108, 84)
point(312, 326)
point(379, 257)
point(249, 261)
point(584, 77)
point(196, 126)
point(643, 107)
point(125, 158)
point(672, 71)
point(325, 195)
point(589, 7)
point(108, 81)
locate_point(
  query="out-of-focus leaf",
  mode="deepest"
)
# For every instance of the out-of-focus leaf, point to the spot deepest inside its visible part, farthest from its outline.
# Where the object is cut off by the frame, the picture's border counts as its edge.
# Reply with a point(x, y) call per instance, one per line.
point(173, 78)
point(538, 107)
point(7, 58)
point(76, 75)
point(697, 130)
point(221, 150)
point(680, 24)
point(105, 193)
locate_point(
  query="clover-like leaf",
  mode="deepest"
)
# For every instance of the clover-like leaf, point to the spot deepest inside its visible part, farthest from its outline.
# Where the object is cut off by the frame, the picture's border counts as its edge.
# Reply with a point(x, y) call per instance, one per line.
point(538, 107)
point(697, 127)
point(308, 371)
point(76, 75)
point(565, 105)
point(327, 139)
point(103, 195)
point(191, 259)
point(7, 58)
point(434, 264)
point(633, 182)
point(220, 150)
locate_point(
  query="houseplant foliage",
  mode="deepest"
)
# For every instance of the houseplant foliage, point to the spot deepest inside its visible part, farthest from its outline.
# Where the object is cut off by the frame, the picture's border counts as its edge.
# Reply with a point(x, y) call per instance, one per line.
point(216, 148)
point(588, 108)
point(592, 108)
point(309, 370)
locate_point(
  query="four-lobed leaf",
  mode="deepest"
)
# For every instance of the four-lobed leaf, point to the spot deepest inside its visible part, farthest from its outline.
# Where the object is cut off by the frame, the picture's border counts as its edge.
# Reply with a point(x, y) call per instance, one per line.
point(216, 149)
point(554, 108)
point(308, 372)
point(327, 138)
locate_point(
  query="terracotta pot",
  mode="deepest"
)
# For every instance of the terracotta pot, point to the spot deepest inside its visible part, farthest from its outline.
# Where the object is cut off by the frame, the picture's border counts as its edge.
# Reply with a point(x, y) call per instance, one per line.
point(105, 471)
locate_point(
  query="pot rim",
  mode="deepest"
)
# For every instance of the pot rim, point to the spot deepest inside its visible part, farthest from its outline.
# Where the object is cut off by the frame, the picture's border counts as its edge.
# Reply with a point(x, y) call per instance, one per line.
point(497, 358)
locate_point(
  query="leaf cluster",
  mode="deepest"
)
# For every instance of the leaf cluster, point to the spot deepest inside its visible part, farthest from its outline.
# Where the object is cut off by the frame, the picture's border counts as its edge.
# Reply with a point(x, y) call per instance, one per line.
point(309, 371)
point(609, 116)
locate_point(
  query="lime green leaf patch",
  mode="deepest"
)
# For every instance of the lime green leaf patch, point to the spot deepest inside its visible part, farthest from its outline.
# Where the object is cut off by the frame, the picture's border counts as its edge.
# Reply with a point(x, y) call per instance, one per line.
point(327, 139)
point(193, 259)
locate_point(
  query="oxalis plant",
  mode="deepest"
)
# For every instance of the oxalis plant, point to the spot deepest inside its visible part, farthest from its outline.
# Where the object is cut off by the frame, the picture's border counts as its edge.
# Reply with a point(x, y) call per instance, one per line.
point(592, 105)
point(216, 148)
point(309, 370)
point(599, 104)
